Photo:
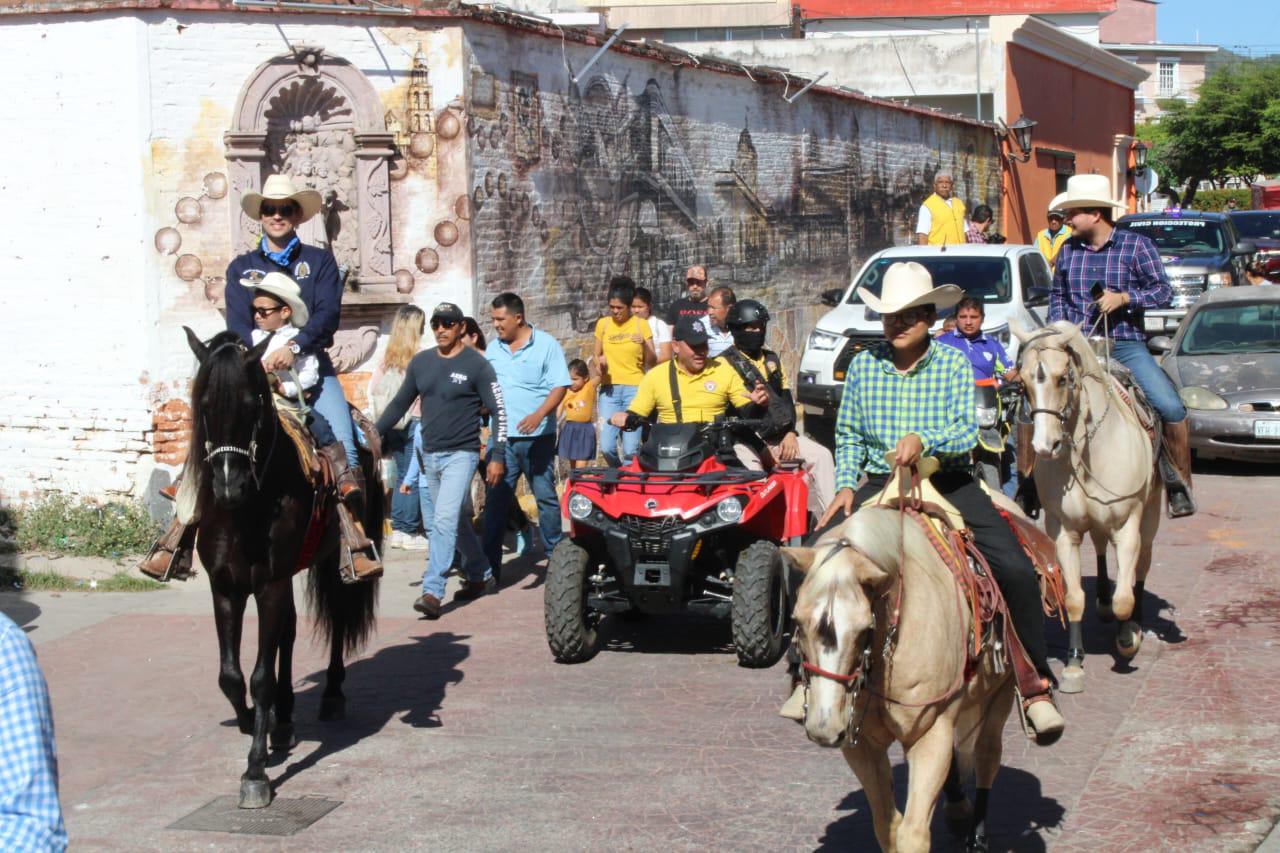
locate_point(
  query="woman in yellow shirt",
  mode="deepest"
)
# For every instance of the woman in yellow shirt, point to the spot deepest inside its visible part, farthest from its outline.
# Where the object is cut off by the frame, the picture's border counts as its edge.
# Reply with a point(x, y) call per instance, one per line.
point(577, 442)
point(623, 352)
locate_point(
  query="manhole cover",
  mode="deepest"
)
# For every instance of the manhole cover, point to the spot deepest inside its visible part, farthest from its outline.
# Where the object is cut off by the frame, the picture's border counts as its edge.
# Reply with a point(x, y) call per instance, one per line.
point(282, 817)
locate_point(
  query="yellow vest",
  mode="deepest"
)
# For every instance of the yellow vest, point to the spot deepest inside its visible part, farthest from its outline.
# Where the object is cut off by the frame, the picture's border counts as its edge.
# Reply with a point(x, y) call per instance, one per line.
point(947, 224)
point(1050, 248)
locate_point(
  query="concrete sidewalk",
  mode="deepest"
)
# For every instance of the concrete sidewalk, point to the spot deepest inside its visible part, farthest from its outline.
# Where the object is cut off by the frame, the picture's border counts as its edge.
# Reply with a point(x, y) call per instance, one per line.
point(464, 734)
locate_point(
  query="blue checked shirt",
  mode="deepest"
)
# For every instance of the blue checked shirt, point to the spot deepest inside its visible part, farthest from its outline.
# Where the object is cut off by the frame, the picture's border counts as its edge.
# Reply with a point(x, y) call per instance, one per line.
point(934, 400)
point(1127, 263)
point(30, 817)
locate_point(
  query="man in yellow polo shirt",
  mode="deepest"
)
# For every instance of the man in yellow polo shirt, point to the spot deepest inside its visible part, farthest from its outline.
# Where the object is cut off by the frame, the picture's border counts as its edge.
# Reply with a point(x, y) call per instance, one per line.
point(707, 386)
point(942, 216)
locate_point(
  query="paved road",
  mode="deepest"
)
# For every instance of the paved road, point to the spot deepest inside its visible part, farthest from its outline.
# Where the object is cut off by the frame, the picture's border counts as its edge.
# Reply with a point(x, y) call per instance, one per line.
point(463, 734)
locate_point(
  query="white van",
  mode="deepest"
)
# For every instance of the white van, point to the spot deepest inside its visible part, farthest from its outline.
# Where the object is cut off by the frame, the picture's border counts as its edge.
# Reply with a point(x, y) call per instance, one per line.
point(1012, 280)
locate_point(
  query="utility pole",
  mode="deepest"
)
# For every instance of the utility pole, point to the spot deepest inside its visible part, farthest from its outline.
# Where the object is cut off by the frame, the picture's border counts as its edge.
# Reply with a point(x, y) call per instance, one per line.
point(977, 66)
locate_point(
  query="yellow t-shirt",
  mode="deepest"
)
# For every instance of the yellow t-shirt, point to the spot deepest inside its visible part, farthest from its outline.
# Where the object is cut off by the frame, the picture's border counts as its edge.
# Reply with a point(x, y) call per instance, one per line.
point(624, 357)
point(580, 406)
point(702, 398)
point(764, 369)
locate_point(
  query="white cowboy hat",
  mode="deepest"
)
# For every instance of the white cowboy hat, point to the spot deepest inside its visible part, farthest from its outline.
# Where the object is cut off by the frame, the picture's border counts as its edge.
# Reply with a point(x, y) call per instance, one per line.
point(909, 285)
point(282, 287)
point(1086, 191)
point(280, 188)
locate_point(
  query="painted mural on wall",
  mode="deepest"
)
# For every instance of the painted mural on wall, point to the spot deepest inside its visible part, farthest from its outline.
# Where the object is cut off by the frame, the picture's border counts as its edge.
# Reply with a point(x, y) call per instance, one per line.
point(581, 182)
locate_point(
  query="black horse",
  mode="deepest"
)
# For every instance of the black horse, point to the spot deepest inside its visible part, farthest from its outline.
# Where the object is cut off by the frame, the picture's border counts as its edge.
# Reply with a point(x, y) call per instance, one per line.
point(253, 507)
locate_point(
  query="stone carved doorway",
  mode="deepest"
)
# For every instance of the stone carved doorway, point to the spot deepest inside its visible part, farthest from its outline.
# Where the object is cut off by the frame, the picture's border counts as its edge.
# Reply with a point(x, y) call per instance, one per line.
point(318, 119)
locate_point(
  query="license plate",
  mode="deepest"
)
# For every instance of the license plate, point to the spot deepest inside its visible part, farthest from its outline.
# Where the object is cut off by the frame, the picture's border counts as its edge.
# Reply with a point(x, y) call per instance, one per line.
point(1266, 429)
point(811, 410)
point(1153, 324)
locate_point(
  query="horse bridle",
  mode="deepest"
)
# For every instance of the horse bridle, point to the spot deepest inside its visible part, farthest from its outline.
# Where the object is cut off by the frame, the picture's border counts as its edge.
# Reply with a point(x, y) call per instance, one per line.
point(1067, 412)
point(250, 452)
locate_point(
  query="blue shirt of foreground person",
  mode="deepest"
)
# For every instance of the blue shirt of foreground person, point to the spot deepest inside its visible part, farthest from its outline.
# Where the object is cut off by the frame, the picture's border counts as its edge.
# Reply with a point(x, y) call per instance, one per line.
point(30, 816)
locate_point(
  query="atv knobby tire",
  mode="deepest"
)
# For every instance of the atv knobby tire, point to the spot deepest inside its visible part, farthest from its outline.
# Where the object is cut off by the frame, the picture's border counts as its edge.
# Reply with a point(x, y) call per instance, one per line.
point(571, 631)
point(759, 620)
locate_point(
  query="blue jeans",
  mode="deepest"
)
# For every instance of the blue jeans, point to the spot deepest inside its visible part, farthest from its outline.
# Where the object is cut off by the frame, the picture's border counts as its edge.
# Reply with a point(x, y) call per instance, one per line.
point(535, 458)
point(1153, 381)
point(443, 489)
point(331, 403)
point(613, 399)
point(406, 511)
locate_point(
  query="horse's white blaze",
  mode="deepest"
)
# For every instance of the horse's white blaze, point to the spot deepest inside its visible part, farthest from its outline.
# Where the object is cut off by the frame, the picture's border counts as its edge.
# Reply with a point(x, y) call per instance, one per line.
point(828, 710)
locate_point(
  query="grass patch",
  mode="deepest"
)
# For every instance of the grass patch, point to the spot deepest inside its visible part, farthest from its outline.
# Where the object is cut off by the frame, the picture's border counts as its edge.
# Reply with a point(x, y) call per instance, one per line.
point(122, 581)
point(80, 528)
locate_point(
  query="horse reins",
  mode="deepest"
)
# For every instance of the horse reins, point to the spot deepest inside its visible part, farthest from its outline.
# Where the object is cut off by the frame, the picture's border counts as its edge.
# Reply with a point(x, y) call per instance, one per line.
point(250, 452)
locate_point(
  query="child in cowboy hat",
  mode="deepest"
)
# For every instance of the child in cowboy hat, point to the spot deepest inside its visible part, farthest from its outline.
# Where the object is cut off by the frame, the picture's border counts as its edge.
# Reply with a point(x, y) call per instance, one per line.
point(910, 397)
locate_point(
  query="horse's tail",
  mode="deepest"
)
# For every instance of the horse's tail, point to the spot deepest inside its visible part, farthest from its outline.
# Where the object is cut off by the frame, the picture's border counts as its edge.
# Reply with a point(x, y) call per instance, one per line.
point(349, 610)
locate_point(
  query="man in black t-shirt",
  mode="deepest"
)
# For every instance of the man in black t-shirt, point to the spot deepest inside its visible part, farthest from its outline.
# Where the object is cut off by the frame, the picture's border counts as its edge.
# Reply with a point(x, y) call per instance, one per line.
point(454, 382)
point(694, 302)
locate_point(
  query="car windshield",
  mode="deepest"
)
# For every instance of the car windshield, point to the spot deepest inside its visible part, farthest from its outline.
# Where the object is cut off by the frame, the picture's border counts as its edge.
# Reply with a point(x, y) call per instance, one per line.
point(985, 277)
point(1181, 236)
point(1233, 327)
point(1258, 226)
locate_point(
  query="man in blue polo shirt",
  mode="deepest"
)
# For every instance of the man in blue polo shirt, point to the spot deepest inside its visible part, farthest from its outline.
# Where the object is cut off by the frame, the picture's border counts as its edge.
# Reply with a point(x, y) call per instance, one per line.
point(534, 377)
point(986, 354)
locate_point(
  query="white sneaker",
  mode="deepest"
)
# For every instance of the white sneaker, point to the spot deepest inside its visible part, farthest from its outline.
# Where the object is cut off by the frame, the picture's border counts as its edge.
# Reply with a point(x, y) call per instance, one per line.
point(395, 540)
point(413, 542)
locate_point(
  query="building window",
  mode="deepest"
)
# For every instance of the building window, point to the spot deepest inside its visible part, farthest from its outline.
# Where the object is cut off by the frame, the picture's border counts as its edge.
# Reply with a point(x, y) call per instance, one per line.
point(1167, 77)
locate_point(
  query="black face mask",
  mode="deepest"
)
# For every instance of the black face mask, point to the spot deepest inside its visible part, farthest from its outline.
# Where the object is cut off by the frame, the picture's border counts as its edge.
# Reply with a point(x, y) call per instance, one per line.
point(749, 342)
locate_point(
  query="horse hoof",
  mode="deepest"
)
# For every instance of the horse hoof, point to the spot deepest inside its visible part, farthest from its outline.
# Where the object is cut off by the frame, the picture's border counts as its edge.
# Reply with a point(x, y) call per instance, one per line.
point(284, 737)
point(1129, 639)
point(1072, 680)
point(333, 708)
point(255, 793)
point(1105, 613)
point(959, 817)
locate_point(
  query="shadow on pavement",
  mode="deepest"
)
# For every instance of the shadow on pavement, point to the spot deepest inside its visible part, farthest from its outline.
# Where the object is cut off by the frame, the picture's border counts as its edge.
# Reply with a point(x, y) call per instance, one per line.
point(1099, 637)
point(407, 681)
point(682, 634)
point(22, 611)
point(1018, 816)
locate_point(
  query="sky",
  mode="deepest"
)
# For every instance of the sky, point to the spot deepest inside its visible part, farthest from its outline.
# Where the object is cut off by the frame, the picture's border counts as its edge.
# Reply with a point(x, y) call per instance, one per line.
point(1255, 24)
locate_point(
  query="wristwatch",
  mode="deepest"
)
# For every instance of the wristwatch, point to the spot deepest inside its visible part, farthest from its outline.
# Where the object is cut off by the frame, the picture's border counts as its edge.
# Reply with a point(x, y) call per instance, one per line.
point(294, 348)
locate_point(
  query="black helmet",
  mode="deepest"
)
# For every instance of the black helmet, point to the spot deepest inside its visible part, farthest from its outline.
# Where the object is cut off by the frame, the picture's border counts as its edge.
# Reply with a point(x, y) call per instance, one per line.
point(748, 312)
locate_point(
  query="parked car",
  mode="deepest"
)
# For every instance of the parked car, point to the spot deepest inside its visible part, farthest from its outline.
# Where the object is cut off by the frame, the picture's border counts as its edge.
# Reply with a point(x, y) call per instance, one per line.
point(1012, 280)
point(1200, 251)
point(1225, 361)
point(1263, 228)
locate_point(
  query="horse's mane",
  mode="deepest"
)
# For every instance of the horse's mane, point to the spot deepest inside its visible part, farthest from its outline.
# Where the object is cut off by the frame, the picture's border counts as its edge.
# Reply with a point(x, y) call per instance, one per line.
point(874, 531)
point(1072, 339)
point(219, 379)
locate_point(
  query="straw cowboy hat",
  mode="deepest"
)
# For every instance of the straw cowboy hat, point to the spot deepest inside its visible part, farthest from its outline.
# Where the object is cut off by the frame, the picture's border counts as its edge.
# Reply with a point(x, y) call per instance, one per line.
point(280, 188)
point(284, 288)
point(1086, 191)
point(909, 285)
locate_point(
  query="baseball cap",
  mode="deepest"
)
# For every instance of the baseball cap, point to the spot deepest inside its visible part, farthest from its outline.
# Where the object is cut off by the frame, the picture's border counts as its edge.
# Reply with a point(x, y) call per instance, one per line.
point(691, 331)
point(697, 273)
point(448, 311)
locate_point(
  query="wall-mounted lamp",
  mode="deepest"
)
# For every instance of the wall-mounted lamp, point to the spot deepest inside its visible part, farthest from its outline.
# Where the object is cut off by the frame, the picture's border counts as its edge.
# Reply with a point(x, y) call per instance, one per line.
point(1021, 131)
point(1139, 158)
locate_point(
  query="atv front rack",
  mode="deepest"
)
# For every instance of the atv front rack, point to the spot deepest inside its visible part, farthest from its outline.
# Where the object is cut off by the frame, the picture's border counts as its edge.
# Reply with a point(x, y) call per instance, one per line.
point(617, 476)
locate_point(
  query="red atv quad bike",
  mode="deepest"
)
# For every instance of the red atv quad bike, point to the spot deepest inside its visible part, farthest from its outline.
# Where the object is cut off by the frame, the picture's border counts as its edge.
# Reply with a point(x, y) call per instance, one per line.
point(678, 530)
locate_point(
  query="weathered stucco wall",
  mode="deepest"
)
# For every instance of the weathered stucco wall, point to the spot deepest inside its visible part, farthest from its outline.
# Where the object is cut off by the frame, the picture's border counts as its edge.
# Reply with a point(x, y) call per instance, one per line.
point(644, 169)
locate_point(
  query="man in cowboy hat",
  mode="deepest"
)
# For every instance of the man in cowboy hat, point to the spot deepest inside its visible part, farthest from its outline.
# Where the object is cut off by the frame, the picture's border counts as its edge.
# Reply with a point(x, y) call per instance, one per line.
point(911, 397)
point(1127, 265)
point(941, 219)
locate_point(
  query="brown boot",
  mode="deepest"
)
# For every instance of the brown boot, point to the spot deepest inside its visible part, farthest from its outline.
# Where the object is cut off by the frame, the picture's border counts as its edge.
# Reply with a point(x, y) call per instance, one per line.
point(360, 559)
point(1177, 452)
point(349, 480)
point(170, 557)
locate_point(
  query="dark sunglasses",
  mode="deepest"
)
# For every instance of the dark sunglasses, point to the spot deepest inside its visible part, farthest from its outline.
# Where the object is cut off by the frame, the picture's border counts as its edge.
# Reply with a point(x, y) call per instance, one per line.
point(907, 318)
point(259, 311)
point(698, 281)
point(438, 322)
point(286, 209)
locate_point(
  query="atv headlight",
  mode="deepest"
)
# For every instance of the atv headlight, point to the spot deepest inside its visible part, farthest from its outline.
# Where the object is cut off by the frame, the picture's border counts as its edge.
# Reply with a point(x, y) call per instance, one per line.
point(1195, 397)
point(821, 340)
point(986, 417)
point(580, 506)
point(729, 510)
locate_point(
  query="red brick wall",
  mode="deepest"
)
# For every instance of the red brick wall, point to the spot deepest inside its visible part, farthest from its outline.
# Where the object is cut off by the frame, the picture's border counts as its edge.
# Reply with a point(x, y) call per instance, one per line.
point(1133, 22)
point(1076, 112)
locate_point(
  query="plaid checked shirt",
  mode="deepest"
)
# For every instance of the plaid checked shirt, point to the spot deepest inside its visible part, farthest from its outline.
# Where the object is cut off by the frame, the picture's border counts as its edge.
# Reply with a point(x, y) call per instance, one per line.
point(30, 817)
point(1127, 263)
point(934, 400)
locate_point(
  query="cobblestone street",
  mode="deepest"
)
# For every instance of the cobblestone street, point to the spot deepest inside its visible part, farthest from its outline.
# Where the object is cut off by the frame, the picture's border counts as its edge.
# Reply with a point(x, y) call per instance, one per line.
point(464, 734)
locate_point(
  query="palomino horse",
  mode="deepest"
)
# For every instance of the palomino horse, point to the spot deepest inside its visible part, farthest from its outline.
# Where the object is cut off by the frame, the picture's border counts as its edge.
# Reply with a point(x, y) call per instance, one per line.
point(1095, 472)
point(883, 631)
point(252, 505)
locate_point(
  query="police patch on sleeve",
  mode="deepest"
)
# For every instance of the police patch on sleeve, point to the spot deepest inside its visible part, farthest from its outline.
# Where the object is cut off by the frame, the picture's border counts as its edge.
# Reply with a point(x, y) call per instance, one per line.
point(301, 270)
point(253, 277)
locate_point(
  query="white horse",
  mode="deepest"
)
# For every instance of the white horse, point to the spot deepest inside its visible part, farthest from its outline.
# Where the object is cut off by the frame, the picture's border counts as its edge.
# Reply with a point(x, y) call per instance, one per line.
point(1096, 474)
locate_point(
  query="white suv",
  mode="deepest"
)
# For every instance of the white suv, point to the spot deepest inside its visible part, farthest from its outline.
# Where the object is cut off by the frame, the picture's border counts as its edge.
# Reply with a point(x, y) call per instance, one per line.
point(1012, 280)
